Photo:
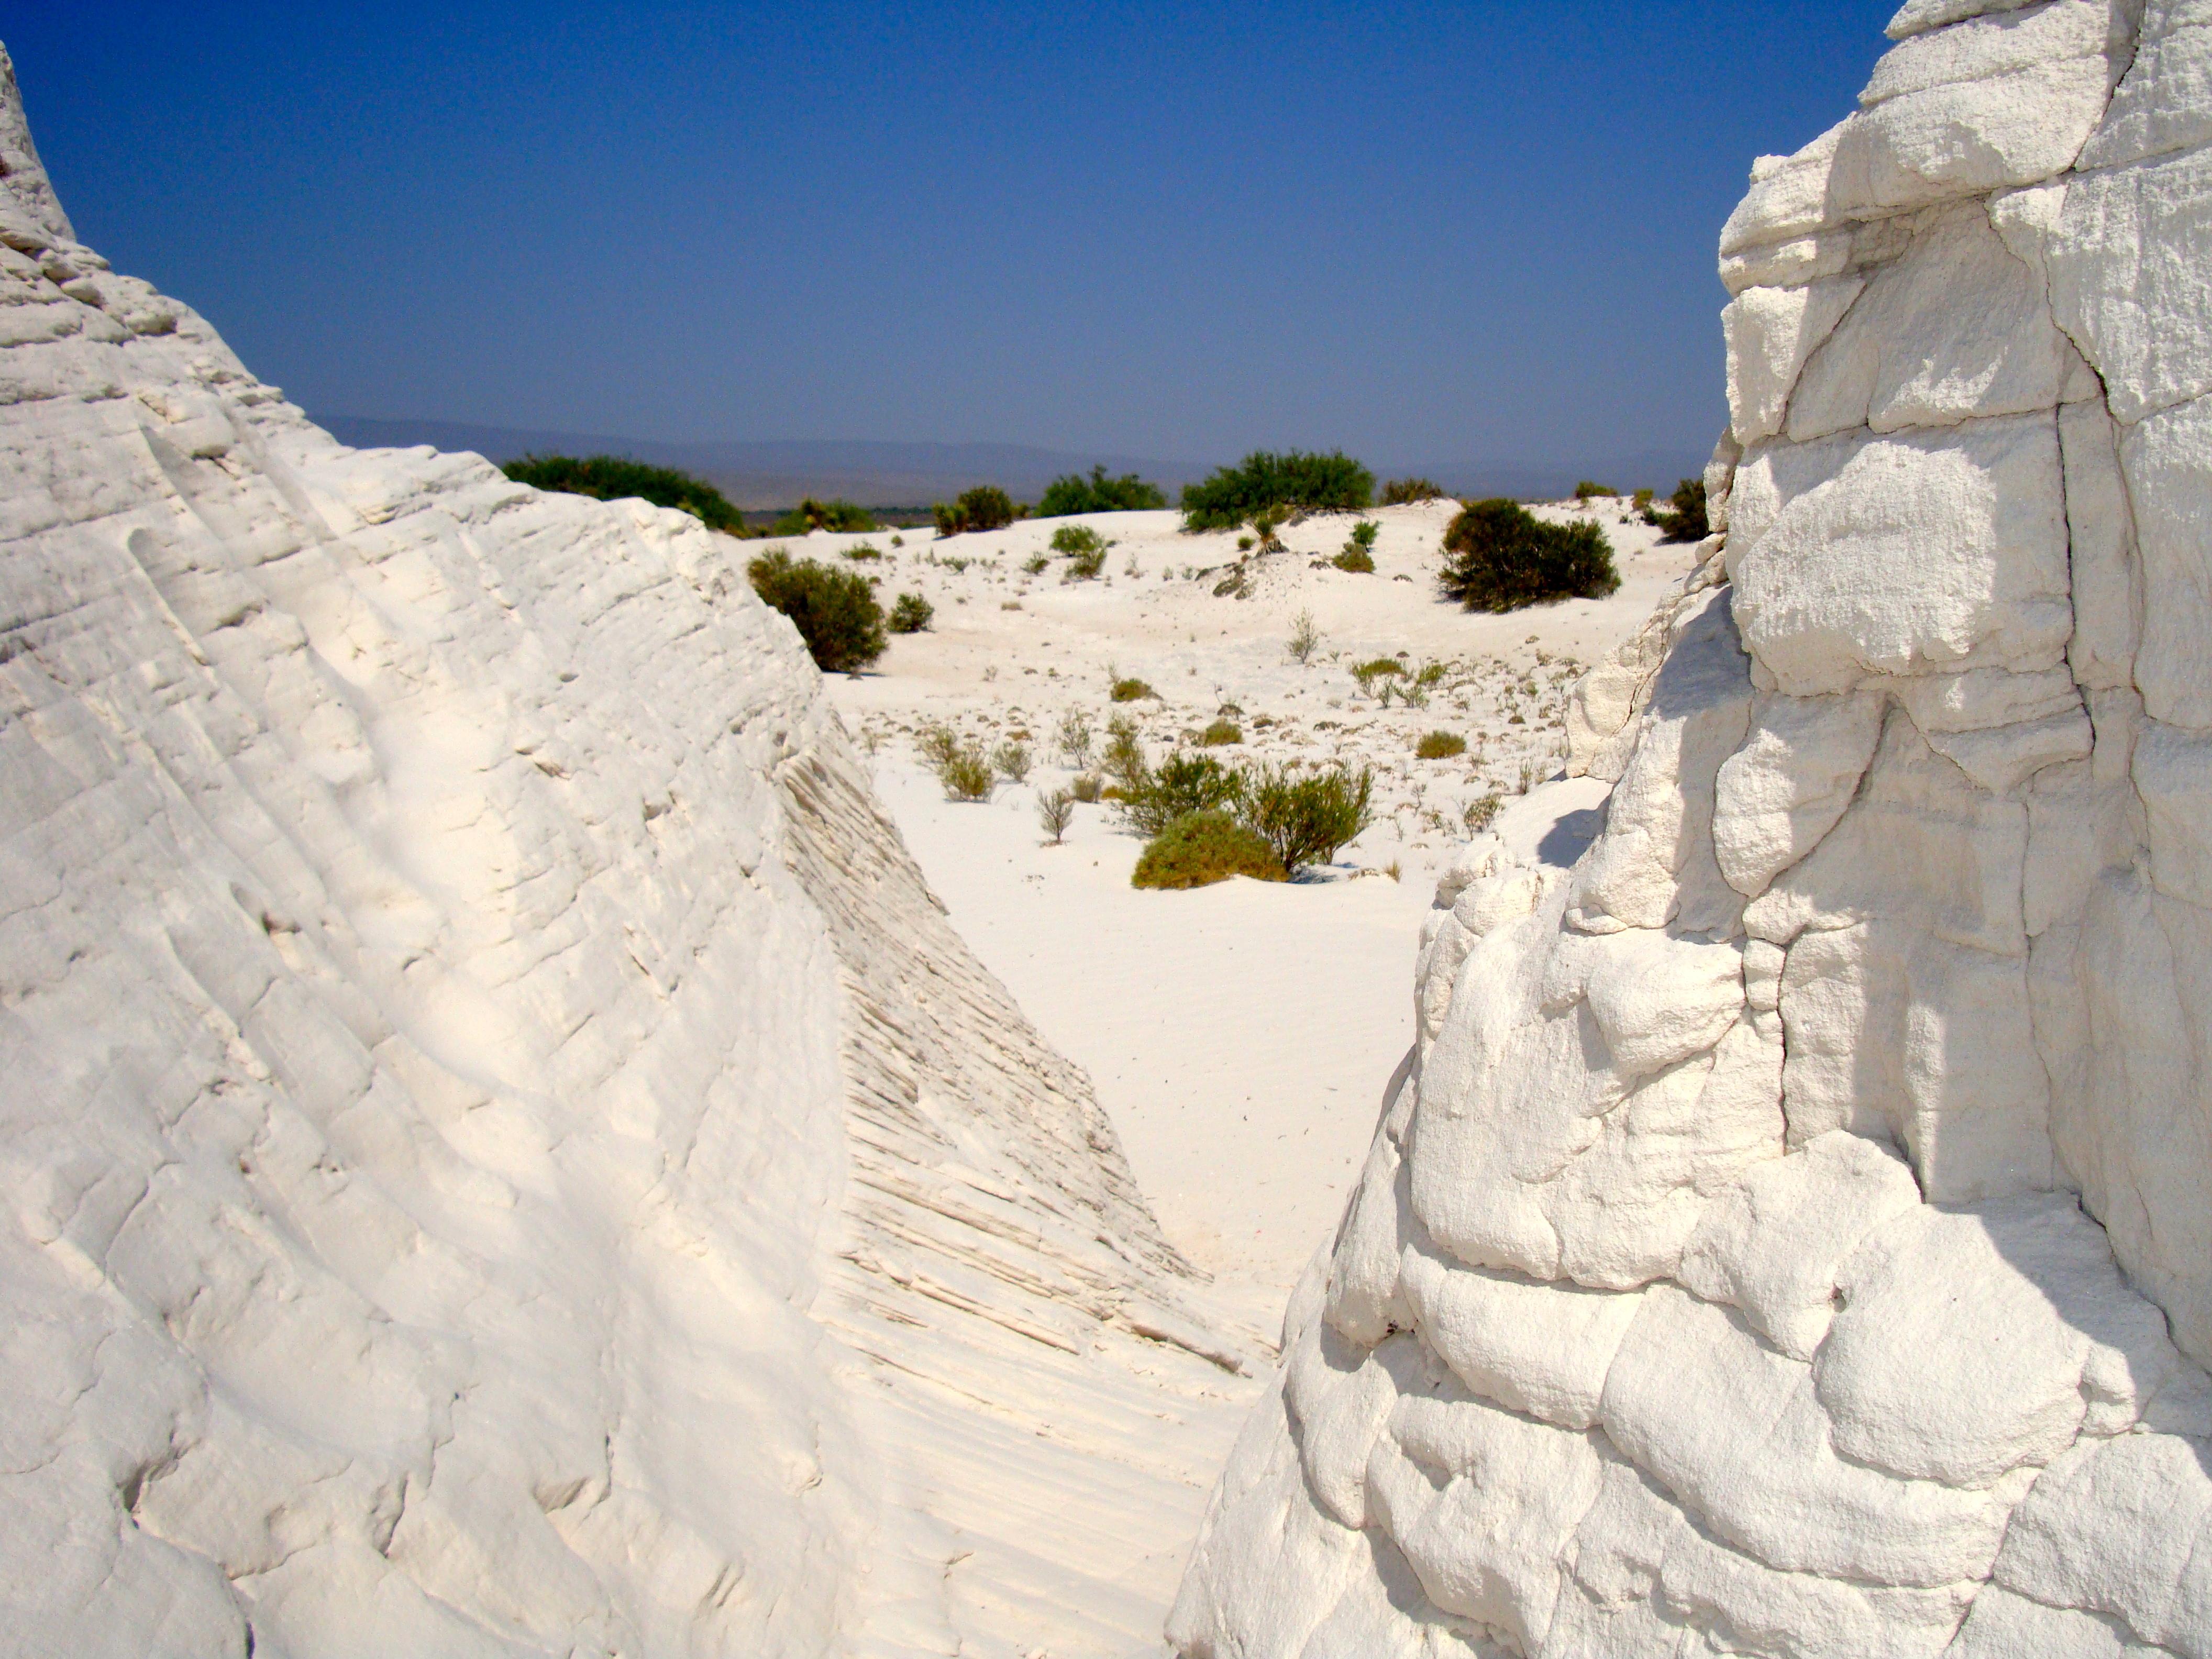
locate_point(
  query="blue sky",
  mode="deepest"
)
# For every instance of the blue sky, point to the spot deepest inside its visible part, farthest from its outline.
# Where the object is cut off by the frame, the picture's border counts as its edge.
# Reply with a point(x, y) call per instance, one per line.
point(1419, 232)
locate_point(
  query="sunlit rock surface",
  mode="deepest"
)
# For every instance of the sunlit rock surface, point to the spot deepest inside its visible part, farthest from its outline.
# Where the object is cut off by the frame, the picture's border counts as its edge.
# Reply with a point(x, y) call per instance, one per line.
point(1792, 1233)
point(502, 1154)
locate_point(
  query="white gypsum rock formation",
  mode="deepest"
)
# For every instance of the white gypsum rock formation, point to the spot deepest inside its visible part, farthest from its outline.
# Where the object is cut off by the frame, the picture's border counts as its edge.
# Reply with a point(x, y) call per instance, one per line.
point(1793, 1234)
point(501, 1153)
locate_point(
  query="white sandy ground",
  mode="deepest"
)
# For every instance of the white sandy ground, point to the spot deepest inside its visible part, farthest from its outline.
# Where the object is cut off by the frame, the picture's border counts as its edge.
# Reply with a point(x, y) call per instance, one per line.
point(1240, 1036)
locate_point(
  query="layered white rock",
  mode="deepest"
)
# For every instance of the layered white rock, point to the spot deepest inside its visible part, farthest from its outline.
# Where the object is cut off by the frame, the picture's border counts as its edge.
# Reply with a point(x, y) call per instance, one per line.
point(1793, 1231)
point(502, 1153)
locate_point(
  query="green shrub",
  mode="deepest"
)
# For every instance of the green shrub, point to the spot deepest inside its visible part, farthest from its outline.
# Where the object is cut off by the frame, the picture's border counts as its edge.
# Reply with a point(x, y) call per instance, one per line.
point(810, 514)
point(1586, 491)
point(1072, 492)
point(1180, 784)
point(1404, 492)
point(1078, 538)
point(1358, 560)
point(1642, 502)
point(864, 553)
point(835, 610)
point(1263, 479)
point(1364, 534)
point(1035, 564)
point(1220, 732)
point(1055, 812)
point(1687, 522)
point(910, 614)
point(1306, 819)
point(966, 773)
point(614, 478)
point(1132, 690)
point(1124, 760)
point(987, 507)
point(1380, 672)
point(1201, 848)
point(1500, 557)
point(1440, 746)
point(1267, 524)
point(1011, 761)
point(1481, 814)
point(950, 520)
point(1244, 543)
point(1087, 786)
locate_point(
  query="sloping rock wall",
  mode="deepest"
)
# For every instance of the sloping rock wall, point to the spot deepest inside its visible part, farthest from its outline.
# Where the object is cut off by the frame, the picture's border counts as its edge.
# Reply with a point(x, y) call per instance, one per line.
point(1791, 1234)
point(502, 1153)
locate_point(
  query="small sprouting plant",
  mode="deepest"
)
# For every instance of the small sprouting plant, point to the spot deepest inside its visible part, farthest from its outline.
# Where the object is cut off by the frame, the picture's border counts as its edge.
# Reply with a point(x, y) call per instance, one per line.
point(1244, 543)
point(1011, 761)
point(1534, 770)
point(966, 773)
point(1481, 814)
point(1087, 786)
point(1132, 690)
point(862, 552)
point(1035, 564)
point(936, 744)
point(1431, 672)
point(1084, 567)
point(1305, 637)
point(1219, 733)
point(1440, 746)
point(910, 614)
point(1362, 534)
point(1055, 812)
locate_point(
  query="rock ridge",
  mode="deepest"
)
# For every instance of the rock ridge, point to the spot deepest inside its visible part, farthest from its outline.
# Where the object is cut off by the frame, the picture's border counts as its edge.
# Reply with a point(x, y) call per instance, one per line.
point(1789, 1235)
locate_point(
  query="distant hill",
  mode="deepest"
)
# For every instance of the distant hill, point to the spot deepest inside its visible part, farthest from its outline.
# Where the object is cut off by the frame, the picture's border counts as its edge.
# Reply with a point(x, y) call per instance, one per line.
point(757, 476)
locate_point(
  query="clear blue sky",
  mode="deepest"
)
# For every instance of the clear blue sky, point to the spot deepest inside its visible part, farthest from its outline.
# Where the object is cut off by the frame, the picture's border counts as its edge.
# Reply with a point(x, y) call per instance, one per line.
point(1417, 231)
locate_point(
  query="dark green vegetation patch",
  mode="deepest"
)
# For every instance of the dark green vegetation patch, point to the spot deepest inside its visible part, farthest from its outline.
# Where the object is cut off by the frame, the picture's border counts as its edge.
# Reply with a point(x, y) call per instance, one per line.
point(613, 478)
point(1499, 557)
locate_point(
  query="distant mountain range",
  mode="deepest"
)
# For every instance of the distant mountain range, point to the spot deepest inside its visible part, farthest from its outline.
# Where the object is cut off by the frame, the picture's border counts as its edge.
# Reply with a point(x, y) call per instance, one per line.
point(757, 476)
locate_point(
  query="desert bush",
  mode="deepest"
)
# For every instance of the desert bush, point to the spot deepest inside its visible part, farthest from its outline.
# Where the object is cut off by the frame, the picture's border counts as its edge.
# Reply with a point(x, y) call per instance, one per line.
point(1685, 521)
point(1263, 479)
point(614, 478)
point(1219, 733)
point(1085, 549)
point(966, 773)
point(1072, 492)
point(1180, 784)
point(835, 610)
point(948, 520)
point(910, 614)
point(1481, 814)
point(1133, 690)
point(1203, 847)
point(1587, 491)
point(1035, 564)
point(1305, 637)
point(810, 514)
point(1440, 746)
point(1379, 674)
point(1357, 559)
point(1074, 738)
point(936, 744)
point(1431, 672)
point(1244, 543)
point(1124, 760)
point(1084, 567)
point(1305, 820)
point(864, 553)
point(1362, 534)
point(1055, 812)
point(1500, 557)
point(987, 507)
point(1011, 761)
point(1087, 786)
point(1642, 501)
point(1404, 492)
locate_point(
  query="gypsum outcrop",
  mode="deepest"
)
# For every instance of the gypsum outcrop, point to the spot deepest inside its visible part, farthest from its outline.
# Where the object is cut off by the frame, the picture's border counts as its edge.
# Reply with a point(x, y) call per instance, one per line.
point(502, 1154)
point(1790, 1234)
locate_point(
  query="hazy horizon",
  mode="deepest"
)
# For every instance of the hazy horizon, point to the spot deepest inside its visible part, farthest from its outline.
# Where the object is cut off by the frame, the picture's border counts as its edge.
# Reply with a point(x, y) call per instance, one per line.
point(1428, 235)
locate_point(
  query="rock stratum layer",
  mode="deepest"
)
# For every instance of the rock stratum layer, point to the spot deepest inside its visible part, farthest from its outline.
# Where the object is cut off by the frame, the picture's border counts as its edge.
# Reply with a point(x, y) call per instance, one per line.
point(501, 1152)
point(1791, 1234)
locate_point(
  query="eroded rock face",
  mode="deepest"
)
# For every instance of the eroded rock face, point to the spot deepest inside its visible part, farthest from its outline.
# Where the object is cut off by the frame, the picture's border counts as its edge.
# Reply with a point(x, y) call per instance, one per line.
point(1793, 1231)
point(500, 1153)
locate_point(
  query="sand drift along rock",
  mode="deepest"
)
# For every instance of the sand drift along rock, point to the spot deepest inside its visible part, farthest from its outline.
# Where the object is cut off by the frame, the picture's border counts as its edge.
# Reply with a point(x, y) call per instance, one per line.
point(1793, 1233)
point(502, 1153)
